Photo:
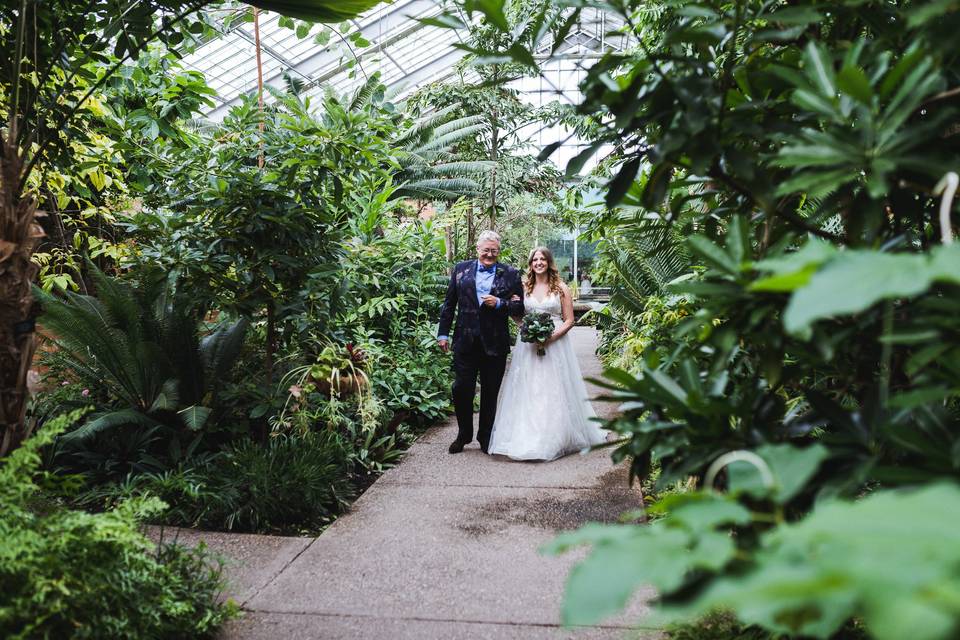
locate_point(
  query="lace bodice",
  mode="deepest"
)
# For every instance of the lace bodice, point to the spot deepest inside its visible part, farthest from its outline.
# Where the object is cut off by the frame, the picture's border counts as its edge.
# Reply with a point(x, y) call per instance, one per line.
point(550, 304)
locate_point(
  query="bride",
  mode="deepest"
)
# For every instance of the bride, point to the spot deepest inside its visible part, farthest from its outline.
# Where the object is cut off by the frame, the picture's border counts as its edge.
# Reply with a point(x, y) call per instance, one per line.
point(543, 411)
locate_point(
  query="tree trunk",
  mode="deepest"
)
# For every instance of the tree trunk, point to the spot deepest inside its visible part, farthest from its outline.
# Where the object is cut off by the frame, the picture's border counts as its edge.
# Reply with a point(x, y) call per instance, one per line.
point(19, 235)
point(494, 152)
point(471, 239)
point(494, 156)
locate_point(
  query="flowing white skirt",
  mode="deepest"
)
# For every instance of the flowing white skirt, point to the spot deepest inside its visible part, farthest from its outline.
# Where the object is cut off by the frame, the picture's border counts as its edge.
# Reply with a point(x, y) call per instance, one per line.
point(544, 410)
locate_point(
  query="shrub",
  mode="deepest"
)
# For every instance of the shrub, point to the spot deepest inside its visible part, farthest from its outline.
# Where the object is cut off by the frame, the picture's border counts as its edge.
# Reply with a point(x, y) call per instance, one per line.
point(69, 574)
point(413, 381)
point(887, 560)
point(292, 483)
point(137, 347)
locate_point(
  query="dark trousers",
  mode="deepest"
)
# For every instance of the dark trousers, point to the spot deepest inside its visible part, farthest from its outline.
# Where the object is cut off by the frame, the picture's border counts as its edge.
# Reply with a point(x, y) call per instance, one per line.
point(469, 361)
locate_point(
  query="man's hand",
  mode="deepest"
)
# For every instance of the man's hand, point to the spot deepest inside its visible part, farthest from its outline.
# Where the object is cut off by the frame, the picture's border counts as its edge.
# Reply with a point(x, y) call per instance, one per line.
point(518, 318)
point(444, 345)
point(490, 301)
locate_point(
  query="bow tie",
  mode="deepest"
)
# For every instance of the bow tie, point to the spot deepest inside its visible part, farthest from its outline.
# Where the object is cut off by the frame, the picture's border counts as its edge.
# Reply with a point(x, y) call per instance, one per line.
point(491, 269)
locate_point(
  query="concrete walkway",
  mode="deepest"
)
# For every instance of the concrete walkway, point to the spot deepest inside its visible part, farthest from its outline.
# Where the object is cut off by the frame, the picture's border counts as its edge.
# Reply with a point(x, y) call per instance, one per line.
point(443, 546)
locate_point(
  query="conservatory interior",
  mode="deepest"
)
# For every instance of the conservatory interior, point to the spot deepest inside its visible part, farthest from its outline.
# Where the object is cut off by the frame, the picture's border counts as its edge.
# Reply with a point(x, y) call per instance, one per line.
point(255, 255)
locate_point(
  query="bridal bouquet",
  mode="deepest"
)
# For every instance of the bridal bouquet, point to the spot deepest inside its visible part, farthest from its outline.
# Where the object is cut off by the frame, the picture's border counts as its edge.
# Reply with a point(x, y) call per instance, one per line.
point(536, 327)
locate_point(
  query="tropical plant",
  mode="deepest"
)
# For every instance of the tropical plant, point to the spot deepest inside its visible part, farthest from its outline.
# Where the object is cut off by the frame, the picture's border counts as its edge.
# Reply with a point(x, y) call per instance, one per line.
point(427, 168)
point(259, 242)
point(802, 152)
point(496, 114)
point(70, 574)
point(140, 346)
point(60, 54)
point(293, 483)
point(805, 579)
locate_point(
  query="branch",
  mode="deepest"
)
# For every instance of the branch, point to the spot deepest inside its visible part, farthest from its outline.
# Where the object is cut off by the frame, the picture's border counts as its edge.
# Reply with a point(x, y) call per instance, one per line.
point(944, 95)
point(61, 47)
point(18, 52)
point(718, 174)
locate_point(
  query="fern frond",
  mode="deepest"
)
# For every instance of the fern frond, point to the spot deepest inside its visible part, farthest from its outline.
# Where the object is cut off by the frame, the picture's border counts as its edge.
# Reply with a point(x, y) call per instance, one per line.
point(464, 168)
point(110, 420)
point(439, 189)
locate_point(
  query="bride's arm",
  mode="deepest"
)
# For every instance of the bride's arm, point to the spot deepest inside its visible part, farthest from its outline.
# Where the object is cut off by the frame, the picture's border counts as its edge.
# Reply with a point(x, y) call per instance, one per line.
point(566, 312)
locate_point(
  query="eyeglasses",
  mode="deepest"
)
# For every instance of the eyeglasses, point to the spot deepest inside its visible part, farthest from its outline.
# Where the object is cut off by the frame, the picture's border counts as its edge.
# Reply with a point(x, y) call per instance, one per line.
point(489, 252)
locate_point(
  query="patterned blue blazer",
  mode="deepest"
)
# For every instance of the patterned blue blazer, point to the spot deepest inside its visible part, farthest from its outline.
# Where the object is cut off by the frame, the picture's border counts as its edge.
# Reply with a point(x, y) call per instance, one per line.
point(474, 320)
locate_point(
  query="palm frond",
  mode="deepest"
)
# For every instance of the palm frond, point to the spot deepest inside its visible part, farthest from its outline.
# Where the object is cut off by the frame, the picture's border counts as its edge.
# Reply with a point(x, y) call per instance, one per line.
point(646, 255)
point(465, 168)
point(426, 123)
point(91, 338)
point(439, 189)
point(295, 86)
point(458, 124)
point(110, 420)
point(445, 140)
point(409, 159)
point(362, 96)
point(220, 350)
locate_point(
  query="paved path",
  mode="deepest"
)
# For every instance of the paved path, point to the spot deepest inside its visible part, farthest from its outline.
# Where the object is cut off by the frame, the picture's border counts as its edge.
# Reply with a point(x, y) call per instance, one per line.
point(443, 546)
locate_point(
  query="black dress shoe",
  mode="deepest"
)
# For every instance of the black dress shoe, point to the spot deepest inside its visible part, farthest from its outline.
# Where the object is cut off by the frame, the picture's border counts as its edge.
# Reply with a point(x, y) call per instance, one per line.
point(456, 446)
point(485, 448)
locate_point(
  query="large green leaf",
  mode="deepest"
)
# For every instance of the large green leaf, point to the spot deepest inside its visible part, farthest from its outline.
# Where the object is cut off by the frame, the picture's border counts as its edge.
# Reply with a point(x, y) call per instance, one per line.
point(195, 417)
point(791, 467)
point(702, 511)
point(891, 559)
point(317, 10)
point(103, 422)
point(856, 280)
point(713, 254)
point(626, 557)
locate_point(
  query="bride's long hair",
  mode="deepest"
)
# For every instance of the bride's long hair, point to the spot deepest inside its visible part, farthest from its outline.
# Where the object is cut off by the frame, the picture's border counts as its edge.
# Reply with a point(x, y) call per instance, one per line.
point(553, 276)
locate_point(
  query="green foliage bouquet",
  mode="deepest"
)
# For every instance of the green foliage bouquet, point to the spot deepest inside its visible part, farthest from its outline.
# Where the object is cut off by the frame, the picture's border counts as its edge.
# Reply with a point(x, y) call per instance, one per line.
point(537, 327)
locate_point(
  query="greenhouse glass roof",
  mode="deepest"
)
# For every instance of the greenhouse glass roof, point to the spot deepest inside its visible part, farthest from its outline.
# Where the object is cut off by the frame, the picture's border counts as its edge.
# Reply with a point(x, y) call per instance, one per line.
point(390, 39)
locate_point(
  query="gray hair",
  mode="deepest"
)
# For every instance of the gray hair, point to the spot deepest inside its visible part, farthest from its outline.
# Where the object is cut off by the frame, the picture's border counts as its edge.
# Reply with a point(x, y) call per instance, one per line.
point(489, 234)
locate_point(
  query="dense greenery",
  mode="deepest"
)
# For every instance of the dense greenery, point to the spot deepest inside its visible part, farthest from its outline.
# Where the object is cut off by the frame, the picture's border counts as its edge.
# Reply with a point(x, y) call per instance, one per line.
point(785, 323)
point(238, 346)
point(252, 303)
point(264, 315)
point(293, 483)
point(67, 573)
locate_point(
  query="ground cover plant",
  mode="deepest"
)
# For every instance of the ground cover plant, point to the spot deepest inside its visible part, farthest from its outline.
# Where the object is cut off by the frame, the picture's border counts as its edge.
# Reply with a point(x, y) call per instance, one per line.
point(788, 169)
point(66, 573)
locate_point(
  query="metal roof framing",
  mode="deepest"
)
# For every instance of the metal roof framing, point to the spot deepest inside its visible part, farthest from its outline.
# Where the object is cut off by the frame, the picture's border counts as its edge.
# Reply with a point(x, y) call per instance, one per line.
point(407, 53)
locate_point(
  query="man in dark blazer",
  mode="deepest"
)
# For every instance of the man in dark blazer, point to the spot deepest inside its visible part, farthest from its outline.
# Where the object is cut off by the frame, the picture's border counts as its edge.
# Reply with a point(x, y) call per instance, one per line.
point(486, 293)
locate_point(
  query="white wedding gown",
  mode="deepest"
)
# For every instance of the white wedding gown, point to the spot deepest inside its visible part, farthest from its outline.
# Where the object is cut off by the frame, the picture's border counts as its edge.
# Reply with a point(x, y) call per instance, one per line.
point(544, 411)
